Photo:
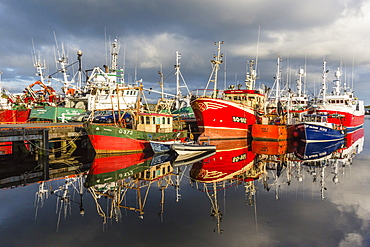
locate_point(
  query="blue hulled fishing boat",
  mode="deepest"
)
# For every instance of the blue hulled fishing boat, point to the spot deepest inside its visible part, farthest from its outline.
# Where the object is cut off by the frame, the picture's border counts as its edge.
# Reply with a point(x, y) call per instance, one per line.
point(315, 128)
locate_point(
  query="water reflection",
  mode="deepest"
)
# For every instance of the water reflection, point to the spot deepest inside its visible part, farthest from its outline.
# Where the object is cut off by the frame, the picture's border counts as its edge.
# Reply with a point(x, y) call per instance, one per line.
point(232, 165)
point(122, 184)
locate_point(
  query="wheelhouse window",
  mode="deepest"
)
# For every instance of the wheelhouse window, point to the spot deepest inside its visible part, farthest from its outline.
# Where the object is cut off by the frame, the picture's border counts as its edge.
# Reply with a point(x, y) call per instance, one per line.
point(158, 120)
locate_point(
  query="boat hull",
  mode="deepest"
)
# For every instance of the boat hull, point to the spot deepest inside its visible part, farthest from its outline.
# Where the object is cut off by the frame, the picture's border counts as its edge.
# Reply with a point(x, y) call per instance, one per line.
point(107, 138)
point(14, 116)
point(223, 165)
point(351, 119)
point(106, 169)
point(222, 119)
point(54, 114)
point(316, 151)
point(309, 132)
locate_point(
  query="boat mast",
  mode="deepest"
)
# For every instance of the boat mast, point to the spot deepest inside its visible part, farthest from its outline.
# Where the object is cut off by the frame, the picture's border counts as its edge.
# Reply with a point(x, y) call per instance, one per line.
point(278, 78)
point(38, 64)
point(337, 82)
point(323, 86)
point(301, 74)
point(161, 84)
point(177, 68)
point(215, 67)
point(114, 56)
point(63, 61)
point(276, 85)
point(251, 76)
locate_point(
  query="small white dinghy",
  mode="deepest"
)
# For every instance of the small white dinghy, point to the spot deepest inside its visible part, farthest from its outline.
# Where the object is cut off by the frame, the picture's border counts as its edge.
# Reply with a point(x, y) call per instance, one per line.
point(183, 148)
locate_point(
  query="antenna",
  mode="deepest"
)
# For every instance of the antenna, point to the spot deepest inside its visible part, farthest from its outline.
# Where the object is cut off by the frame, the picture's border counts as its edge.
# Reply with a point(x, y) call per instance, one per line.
point(258, 44)
point(324, 76)
point(124, 60)
point(135, 68)
point(225, 73)
point(105, 45)
point(353, 68)
point(305, 73)
point(34, 52)
point(56, 44)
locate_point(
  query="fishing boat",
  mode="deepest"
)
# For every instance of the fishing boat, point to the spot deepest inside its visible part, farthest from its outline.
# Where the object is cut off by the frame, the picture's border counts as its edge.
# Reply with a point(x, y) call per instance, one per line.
point(316, 128)
point(227, 114)
point(40, 102)
point(133, 130)
point(340, 102)
point(37, 105)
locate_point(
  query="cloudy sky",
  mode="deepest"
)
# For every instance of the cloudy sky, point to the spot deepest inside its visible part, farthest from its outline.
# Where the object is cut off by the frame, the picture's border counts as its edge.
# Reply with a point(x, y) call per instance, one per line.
point(303, 34)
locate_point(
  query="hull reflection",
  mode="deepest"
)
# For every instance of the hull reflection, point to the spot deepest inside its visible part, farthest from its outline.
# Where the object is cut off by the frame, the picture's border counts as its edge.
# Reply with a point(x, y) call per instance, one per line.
point(105, 169)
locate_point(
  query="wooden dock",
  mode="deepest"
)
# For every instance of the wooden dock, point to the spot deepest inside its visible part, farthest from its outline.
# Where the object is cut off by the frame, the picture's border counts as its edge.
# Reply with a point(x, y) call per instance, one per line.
point(36, 131)
point(43, 142)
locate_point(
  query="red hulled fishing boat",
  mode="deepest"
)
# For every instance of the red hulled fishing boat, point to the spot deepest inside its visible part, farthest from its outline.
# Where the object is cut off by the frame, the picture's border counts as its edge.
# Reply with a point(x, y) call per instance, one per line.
point(231, 113)
point(341, 105)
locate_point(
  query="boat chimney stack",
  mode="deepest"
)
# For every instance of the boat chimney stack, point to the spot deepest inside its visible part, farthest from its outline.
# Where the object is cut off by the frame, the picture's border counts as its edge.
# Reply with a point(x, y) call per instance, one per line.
point(106, 67)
